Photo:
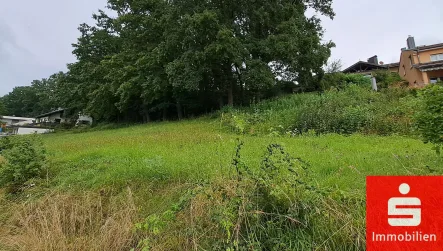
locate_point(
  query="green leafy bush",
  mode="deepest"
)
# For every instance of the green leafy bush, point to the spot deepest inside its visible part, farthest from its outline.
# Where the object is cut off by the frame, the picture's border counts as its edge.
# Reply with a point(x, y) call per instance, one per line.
point(24, 159)
point(276, 207)
point(340, 80)
point(387, 79)
point(355, 108)
point(430, 117)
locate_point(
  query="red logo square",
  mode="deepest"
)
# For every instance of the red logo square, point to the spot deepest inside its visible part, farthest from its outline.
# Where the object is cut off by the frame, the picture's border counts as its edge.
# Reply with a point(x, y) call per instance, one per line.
point(404, 213)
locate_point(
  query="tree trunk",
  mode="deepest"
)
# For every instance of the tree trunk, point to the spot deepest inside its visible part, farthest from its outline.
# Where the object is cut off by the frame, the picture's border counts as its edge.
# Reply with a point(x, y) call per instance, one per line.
point(220, 101)
point(147, 118)
point(165, 114)
point(230, 95)
point(179, 111)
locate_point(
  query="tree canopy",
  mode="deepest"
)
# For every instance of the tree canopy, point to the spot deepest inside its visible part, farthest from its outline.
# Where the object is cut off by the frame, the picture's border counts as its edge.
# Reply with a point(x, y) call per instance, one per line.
point(158, 59)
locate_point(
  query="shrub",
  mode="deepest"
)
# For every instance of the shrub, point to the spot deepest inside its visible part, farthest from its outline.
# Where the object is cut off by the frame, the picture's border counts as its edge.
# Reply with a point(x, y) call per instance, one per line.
point(24, 159)
point(271, 205)
point(340, 80)
point(353, 109)
point(430, 117)
point(387, 79)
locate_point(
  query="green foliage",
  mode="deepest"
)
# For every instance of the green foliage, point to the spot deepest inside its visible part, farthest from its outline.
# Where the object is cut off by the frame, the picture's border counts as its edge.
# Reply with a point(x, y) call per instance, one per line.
point(41, 97)
point(386, 79)
point(275, 207)
point(156, 58)
point(25, 159)
point(353, 109)
point(430, 116)
point(338, 80)
point(196, 153)
point(3, 110)
point(156, 224)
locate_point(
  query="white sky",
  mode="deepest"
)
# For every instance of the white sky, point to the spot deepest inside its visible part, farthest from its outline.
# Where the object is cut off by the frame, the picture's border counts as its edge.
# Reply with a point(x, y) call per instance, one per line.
point(36, 36)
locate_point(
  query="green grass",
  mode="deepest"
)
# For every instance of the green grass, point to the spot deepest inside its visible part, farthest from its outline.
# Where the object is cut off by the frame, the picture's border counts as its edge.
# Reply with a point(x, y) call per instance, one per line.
point(160, 162)
point(196, 150)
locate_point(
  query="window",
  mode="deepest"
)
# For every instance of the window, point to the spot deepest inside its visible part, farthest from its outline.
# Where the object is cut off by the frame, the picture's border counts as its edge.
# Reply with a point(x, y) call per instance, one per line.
point(437, 57)
point(435, 80)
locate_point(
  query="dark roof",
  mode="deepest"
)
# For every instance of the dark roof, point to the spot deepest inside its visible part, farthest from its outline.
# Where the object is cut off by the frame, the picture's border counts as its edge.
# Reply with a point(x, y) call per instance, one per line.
point(362, 66)
point(428, 47)
point(393, 64)
point(430, 65)
point(49, 113)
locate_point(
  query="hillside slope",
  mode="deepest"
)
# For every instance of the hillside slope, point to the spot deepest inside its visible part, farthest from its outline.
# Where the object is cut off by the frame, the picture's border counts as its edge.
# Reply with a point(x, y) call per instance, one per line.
point(194, 185)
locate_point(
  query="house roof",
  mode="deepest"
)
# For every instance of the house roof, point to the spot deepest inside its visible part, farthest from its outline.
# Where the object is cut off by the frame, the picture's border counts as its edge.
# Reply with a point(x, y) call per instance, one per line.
point(50, 113)
point(17, 118)
point(362, 66)
point(393, 64)
point(429, 47)
point(430, 66)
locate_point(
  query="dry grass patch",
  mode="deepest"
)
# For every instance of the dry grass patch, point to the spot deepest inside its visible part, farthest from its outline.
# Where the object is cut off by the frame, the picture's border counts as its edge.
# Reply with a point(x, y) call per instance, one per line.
point(70, 222)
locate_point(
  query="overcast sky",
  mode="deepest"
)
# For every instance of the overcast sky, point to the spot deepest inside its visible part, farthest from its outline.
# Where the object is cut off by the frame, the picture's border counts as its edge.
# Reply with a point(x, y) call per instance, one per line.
point(36, 36)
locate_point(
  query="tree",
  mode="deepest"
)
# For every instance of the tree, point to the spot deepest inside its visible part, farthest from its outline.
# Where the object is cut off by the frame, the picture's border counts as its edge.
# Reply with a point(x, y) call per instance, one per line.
point(334, 66)
point(2, 108)
point(160, 59)
point(22, 101)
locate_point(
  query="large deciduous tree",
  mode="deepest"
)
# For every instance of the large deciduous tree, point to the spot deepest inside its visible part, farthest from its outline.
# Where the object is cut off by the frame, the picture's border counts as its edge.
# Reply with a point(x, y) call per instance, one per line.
point(155, 58)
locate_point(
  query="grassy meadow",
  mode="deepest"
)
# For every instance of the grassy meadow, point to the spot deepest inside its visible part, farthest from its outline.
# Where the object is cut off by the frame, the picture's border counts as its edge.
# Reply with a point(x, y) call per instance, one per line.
point(197, 185)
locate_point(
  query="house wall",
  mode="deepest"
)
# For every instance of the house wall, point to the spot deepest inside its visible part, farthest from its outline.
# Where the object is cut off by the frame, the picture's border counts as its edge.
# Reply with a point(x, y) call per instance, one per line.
point(25, 131)
point(7, 121)
point(407, 72)
point(11, 121)
point(425, 56)
point(393, 69)
point(434, 74)
point(85, 118)
point(52, 118)
point(55, 116)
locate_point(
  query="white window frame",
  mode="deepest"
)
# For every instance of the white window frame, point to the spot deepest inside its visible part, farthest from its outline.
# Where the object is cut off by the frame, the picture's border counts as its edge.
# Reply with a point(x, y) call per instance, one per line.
point(436, 57)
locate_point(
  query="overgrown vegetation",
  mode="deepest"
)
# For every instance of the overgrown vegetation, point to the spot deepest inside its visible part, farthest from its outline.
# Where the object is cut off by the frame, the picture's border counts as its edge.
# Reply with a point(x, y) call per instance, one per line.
point(430, 117)
point(193, 185)
point(271, 206)
point(387, 79)
point(353, 109)
point(87, 221)
point(339, 81)
point(24, 159)
point(160, 60)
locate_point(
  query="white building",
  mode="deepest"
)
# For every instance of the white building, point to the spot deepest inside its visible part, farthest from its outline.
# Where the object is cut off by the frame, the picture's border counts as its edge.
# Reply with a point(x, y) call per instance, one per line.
point(11, 120)
point(30, 130)
point(56, 117)
point(84, 120)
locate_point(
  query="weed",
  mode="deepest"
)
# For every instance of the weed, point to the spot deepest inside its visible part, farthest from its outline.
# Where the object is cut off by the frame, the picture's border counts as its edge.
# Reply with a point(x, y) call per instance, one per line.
point(72, 222)
point(430, 117)
point(24, 159)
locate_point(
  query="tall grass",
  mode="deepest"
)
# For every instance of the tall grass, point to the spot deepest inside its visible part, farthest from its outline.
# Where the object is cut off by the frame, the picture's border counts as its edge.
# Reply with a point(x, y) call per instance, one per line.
point(185, 193)
point(353, 109)
point(68, 222)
